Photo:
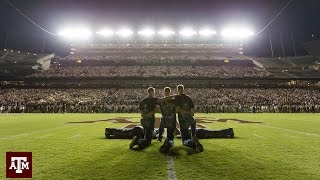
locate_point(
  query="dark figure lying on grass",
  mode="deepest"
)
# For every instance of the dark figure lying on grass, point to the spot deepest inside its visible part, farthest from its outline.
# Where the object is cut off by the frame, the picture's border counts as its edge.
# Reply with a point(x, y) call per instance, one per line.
point(129, 133)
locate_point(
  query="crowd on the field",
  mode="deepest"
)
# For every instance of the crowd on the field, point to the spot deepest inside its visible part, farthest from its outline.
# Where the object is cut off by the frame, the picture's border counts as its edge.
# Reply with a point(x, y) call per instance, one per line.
point(127, 100)
point(152, 71)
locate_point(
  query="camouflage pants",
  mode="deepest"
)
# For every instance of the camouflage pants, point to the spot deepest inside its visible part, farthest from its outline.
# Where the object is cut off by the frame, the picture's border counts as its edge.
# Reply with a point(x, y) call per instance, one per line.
point(185, 122)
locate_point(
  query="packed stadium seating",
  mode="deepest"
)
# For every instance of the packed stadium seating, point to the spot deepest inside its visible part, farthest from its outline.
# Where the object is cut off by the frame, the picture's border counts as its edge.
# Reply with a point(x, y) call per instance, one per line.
point(117, 64)
point(152, 71)
point(127, 100)
point(153, 61)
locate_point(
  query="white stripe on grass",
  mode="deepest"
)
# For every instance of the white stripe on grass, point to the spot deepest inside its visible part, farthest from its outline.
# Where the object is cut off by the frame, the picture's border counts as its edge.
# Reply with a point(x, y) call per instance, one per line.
point(77, 135)
point(291, 130)
point(290, 136)
point(170, 163)
point(170, 168)
point(33, 132)
point(44, 136)
point(256, 135)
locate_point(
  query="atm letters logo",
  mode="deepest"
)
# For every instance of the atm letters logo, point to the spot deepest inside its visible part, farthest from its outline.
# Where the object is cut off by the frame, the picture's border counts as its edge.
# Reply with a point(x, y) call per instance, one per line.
point(19, 164)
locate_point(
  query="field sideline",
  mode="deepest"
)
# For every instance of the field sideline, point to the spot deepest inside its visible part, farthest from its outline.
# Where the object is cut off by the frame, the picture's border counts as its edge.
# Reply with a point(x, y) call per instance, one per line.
point(284, 146)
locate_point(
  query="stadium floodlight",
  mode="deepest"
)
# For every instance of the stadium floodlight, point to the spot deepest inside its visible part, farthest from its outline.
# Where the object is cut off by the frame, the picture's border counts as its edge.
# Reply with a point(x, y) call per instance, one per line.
point(187, 32)
point(106, 32)
point(76, 33)
point(124, 33)
point(166, 32)
point(207, 32)
point(228, 33)
point(244, 33)
point(237, 33)
point(146, 32)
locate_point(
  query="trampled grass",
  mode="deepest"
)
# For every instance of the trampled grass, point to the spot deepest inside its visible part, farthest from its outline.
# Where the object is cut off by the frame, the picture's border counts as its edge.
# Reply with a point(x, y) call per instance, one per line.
point(284, 146)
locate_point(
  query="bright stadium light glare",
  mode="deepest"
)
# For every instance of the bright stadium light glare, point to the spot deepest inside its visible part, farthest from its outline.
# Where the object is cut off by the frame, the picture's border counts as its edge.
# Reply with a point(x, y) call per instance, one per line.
point(76, 33)
point(146, 32)
point(187, 32)
point(124, 32)
point(166, 32)
point(228, 33)
point(244, 33)
point(237, 33)
point(207, 32)
point(106, 32)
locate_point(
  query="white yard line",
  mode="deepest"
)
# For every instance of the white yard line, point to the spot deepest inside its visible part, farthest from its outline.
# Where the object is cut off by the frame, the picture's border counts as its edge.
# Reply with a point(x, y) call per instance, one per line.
point(77, 135)
point(44, 136)
point(125, 126)
point(290, 136)
point(170, 168)
point(256, 135)
point(315, 121)
point(26, 134)
point(13, 136)
point(290, 130)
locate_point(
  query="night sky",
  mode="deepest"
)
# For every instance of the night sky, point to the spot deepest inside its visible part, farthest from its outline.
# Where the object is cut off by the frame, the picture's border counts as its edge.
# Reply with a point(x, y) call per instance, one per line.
point(302, 18)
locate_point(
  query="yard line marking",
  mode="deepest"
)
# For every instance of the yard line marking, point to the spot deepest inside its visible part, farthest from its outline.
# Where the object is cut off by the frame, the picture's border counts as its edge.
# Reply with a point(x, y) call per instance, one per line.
point(259, 136)
point(290, 136)
point(316, 121)
point(170, 168)
point(124, 126)
point(290, 130)
point(74, 136)
point(26, 134)
point(47, 135)
point(13, 136)
point(165, 133)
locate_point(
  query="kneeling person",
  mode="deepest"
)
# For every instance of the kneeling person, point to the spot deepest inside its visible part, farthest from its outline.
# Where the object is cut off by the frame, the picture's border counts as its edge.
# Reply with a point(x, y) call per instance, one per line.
point(186, 120)
point(146, 106)
point(148, 110)
point(168, 120)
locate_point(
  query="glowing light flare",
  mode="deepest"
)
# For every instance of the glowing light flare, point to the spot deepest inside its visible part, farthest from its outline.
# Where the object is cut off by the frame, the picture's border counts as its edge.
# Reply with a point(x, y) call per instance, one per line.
point(106, 32)
point(187, 32)
point(124, 32)
point(76, 33)
point(207, 32)
point(237, 33)
point(146, 32)
point(166, 32)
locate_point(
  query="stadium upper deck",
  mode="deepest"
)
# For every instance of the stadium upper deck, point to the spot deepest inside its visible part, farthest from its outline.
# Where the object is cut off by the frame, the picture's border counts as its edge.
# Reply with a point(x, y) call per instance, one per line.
point(197, 51)
point(163, 62)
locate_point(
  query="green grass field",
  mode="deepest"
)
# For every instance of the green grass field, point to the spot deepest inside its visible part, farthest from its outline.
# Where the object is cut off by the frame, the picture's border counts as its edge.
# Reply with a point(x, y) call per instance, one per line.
point(285, 146)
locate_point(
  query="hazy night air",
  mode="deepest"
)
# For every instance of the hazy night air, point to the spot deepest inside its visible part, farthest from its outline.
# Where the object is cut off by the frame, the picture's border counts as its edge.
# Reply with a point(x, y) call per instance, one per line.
point(300, 18)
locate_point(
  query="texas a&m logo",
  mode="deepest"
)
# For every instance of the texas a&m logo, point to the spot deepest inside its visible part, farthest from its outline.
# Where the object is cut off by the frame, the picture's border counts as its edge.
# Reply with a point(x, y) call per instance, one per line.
point(19, 165)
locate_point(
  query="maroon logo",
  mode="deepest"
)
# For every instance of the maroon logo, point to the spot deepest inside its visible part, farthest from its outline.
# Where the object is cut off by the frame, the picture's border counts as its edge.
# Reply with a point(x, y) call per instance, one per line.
point(19, 164)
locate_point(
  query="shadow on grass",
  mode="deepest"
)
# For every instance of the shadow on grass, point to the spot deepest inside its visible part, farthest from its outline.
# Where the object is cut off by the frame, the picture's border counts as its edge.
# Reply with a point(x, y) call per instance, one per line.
point(182, 150)
point(114, 160)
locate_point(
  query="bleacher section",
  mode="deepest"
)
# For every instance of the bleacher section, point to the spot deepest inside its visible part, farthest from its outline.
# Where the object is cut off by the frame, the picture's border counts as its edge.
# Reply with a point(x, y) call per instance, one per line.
point(160, 63)
point(291, 67)
point(20, 63)
point(192, 61)
point(274, 63)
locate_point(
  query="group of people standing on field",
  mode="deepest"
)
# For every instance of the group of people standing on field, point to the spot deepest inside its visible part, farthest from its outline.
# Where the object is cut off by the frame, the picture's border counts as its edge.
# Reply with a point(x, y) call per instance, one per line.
point(168, 106)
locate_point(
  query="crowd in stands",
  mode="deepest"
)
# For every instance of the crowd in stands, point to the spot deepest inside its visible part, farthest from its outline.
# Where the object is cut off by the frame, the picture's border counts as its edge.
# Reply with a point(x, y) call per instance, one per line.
point(154, 57)
point(127, 100)
point(157, 45)
point(152, 71)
